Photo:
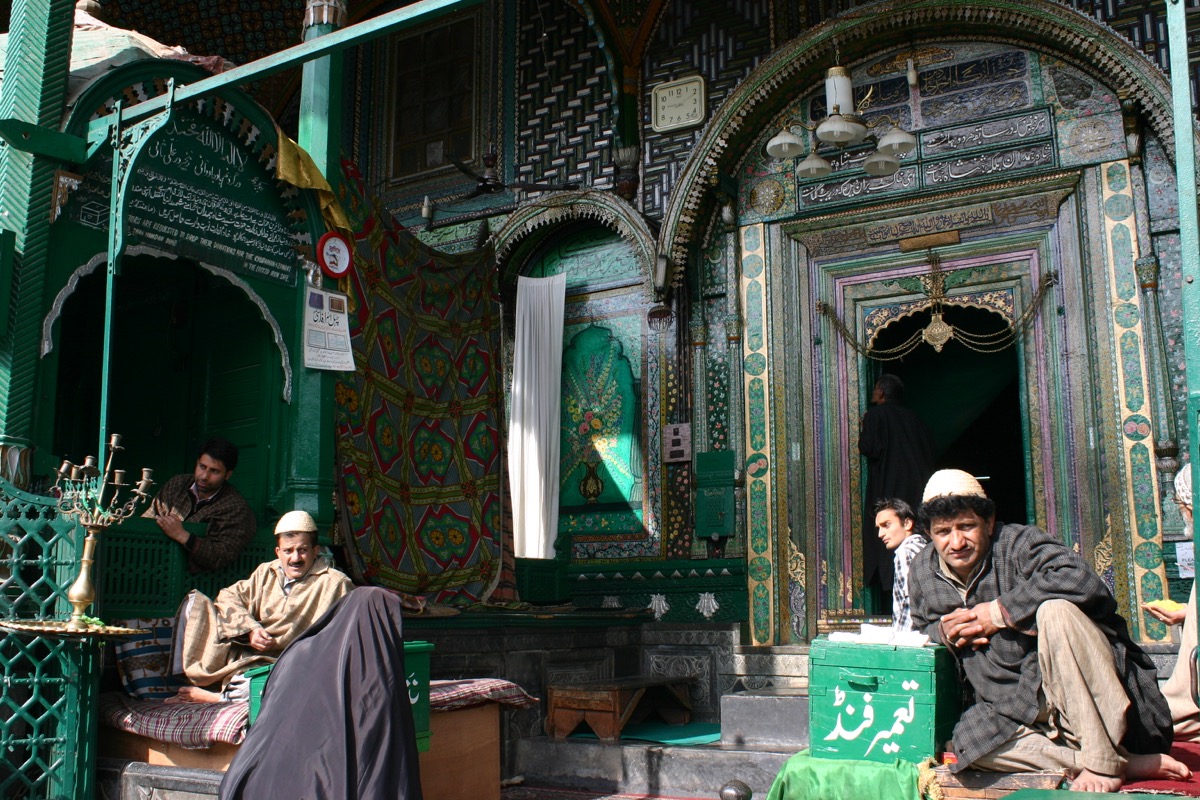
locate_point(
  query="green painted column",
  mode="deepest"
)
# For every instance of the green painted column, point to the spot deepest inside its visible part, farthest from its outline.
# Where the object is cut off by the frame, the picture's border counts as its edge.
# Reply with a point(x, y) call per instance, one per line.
point(320, 103)
point(33, 91)
point(1189, 231)
point(310, 484)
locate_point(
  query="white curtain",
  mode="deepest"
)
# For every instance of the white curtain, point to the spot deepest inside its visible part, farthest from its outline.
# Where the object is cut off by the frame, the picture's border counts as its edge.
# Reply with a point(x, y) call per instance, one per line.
point(533, 433)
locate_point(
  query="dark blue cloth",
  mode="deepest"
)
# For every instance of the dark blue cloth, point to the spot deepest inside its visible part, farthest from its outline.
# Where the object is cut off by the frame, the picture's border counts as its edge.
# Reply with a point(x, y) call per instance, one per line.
point(336, 723)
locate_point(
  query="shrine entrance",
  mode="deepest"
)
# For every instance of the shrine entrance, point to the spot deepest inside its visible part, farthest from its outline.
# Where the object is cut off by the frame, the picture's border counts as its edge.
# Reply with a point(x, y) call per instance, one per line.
point(191, 358)
point(971, 400)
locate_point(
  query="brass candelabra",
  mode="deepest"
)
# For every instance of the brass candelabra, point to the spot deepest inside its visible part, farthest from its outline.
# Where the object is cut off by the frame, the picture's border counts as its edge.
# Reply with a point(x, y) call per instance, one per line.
point(94, 499)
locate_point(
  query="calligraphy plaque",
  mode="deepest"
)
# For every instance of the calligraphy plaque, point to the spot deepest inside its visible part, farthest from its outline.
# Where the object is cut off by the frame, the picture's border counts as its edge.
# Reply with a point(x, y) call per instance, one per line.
point(988, 134)
point(926, 224)
point(198, 191)
point(857, 187)
point(1002, 163)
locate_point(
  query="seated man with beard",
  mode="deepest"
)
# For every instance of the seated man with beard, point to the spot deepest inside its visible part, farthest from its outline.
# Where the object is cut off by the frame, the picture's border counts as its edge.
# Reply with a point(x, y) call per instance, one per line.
point(1057, 681)
point(253, 620)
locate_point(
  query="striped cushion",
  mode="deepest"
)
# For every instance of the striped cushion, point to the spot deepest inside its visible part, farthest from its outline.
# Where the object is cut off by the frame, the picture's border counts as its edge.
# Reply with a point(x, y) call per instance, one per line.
point(189, 725)
point(144, 659)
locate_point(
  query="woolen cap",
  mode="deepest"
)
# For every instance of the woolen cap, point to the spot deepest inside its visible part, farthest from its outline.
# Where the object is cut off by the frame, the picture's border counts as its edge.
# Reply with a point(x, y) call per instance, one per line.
point(295, 522)
point(951, 482)
point(1183, 485)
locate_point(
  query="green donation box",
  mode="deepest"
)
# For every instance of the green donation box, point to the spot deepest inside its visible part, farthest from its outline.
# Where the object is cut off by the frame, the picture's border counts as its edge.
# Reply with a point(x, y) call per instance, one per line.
point(881, 702)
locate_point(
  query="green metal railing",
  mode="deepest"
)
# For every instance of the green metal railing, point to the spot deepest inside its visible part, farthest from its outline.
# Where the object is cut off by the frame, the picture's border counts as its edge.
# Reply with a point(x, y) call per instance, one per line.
point(48, 694)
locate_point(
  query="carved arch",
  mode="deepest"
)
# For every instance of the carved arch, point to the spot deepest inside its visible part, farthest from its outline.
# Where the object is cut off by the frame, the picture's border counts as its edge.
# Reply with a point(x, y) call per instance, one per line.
point(535, 222)
point(1050, 28)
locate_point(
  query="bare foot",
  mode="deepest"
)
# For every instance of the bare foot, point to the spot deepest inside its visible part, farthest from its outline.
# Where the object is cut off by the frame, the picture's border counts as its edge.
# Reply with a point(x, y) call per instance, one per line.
point(1156, 765)
point(1088, 781)
point(194, 694)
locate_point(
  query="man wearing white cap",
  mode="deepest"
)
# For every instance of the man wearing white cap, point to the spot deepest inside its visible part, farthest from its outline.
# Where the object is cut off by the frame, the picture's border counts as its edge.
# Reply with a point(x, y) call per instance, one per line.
point(1178, 689)
point(1057, 682)
point(253, 620)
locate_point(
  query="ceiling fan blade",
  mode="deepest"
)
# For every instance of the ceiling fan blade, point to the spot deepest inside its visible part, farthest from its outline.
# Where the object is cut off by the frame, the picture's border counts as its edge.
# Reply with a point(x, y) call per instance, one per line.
point(560, 187)
point(464, 169)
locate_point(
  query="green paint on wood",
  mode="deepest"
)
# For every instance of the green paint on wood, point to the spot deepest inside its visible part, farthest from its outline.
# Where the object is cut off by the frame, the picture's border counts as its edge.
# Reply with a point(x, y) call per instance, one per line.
point(761, 613)
point(759, 569)
point(1145, 503)
point(756, 401)
point(601, 451)
point(1122, 256)
point(752, 265)
point(1148, 555)
point(1126, 315)
point(754, 315)
point(1117, 177)
point(1131, 370)
point(757, 512)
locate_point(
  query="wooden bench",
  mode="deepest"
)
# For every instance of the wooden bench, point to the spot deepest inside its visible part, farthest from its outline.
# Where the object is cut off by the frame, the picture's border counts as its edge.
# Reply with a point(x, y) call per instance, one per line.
point(976, 784)
point(608, 706)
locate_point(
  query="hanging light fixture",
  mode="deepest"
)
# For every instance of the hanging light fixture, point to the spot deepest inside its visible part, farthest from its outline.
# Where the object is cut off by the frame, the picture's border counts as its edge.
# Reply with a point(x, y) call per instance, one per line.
point(843, 126)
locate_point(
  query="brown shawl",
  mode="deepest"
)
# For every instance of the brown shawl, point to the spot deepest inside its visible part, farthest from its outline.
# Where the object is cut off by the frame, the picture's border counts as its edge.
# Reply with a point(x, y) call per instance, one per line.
point(214, 644)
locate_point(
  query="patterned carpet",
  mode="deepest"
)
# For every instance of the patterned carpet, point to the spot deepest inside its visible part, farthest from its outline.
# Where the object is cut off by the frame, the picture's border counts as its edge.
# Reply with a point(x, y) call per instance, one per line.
point(533, 793)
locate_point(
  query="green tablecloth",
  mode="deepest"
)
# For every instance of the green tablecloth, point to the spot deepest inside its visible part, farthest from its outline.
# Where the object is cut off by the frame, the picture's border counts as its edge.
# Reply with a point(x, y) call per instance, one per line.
point(806, 778)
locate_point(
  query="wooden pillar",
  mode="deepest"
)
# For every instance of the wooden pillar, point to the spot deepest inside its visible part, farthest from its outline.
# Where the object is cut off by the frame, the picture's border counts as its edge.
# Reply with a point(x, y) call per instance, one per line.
point(33, 91)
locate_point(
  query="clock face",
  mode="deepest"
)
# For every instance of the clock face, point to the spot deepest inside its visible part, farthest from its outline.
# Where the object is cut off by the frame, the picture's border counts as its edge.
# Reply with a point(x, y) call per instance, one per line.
point(678, 104)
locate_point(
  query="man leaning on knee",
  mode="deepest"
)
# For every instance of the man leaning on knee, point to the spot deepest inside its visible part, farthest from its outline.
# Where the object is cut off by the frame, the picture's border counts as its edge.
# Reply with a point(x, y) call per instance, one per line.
point(1057, 682)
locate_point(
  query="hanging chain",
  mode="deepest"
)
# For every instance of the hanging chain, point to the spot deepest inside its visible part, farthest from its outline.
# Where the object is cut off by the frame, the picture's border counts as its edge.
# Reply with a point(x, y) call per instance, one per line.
point(992, 342)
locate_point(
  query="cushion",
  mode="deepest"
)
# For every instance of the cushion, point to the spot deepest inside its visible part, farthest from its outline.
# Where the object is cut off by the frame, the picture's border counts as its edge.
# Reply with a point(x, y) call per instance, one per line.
point(189, 725)
point(451, 695)
point(144, 659)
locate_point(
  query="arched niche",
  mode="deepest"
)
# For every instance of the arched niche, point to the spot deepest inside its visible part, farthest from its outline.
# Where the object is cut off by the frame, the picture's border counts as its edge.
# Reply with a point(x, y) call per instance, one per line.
point(610, 496)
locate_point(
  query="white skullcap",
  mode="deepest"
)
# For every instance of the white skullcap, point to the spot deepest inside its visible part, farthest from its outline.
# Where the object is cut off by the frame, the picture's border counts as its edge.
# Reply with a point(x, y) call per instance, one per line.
point(295, 522)
point(948, 482)
point(1183, 485)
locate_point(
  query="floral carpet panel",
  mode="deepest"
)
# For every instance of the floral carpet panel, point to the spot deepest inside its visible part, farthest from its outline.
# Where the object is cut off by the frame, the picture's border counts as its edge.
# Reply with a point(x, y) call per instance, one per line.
point(417, 422)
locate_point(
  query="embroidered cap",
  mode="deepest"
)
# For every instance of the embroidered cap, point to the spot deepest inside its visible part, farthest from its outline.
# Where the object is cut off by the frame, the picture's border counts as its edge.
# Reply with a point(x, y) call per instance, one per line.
point(950, 482)
point(295, 522)
point(1183, 485)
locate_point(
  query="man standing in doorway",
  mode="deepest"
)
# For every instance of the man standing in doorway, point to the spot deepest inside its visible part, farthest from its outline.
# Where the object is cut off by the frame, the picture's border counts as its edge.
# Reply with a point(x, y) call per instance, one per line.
point(899, 451)
point(205, 495)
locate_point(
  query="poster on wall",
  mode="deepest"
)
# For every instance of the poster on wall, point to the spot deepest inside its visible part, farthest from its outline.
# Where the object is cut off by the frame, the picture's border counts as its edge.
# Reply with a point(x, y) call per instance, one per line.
point(327, 331)
point(1186, 559)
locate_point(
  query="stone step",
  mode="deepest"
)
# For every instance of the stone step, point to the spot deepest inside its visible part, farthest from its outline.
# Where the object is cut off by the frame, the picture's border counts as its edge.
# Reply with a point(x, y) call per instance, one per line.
point(770, 717)
point(645, 768)
point(128, 780)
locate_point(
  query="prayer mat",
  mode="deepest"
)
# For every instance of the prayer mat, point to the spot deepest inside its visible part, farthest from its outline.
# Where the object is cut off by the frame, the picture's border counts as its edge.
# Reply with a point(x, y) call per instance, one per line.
point(1188, 753)
point(692, 733)
point(417, 423)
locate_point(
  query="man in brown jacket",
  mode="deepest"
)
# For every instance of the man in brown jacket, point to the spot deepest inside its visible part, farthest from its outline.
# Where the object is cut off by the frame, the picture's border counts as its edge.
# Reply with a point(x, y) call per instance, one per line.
point(205, 495)
point(253, 620)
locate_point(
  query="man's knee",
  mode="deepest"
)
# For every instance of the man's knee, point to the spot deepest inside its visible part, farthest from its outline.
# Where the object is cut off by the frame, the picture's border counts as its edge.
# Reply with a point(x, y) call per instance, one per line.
point(1053, 615)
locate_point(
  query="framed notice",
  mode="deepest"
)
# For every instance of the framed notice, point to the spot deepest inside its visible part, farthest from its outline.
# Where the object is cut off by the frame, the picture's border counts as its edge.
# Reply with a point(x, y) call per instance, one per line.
point(327, 331)
point(1185, 558)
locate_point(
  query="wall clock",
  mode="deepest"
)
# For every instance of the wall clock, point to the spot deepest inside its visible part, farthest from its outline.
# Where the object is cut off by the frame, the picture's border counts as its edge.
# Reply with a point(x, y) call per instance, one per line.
point(678, 104)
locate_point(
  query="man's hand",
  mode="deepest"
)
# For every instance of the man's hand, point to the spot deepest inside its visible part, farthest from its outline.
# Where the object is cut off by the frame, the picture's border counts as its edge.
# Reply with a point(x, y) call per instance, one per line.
point(261, 640)
point(169, 524)
point(965, 627)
